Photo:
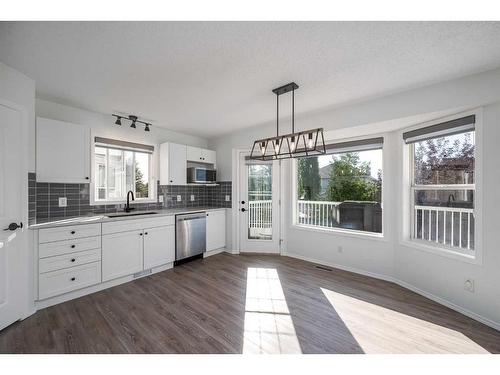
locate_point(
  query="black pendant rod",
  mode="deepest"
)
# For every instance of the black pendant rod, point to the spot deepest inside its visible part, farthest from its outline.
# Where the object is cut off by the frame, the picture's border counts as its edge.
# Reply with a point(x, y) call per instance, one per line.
point(293, 110)
point(277, 115)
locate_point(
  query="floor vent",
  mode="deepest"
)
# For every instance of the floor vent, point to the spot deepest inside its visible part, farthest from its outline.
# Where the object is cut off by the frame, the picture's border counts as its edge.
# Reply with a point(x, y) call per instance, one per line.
point(324, 268)
point(142, 273)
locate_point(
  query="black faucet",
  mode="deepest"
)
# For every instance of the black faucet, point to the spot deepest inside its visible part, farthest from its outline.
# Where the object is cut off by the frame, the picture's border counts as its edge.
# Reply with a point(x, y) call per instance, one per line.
point(127, 207)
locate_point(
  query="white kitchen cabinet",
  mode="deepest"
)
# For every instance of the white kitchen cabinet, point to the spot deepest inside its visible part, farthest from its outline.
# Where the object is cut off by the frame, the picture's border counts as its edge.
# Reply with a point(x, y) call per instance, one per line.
point(173, 164)
point(159, 246)
point(62, 152)
point(208, 156)
point(122, 254)
point(200, 155)
point(216, 229)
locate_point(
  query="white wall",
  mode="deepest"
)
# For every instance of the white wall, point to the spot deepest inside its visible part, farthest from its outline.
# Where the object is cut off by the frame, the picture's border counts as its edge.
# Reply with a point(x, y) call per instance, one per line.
point(103, 125)
point(437, 276)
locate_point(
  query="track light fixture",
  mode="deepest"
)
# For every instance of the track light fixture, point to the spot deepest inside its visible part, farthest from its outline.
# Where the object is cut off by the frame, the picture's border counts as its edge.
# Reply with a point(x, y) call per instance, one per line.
point(291, 145)
point(133, 121)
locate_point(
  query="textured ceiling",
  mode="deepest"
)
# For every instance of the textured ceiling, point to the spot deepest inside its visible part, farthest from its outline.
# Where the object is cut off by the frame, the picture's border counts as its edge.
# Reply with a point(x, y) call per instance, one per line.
point(209, 78)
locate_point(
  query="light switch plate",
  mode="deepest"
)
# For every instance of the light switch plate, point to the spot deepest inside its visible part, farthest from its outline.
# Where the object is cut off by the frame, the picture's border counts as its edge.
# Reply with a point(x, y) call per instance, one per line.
point(228, 198)
point(179, 198)
point(160, 199)
point(63, 201)
point(192, 198)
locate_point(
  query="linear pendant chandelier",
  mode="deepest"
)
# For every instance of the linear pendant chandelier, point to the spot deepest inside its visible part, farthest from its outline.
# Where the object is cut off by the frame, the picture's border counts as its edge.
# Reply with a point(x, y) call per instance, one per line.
point(295, 144)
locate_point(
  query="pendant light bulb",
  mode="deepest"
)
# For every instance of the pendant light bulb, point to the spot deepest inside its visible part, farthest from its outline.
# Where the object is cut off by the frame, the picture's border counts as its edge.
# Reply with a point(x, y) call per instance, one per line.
point(263, 148)
point(133, 124)
point(310, 141)
point(293, 145)
point(277, 146)
point(146, 129)
point(118, 120)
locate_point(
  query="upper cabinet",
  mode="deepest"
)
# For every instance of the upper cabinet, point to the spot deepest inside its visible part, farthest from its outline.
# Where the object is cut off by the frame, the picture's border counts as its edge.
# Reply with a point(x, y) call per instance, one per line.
point(173, 164)
point(62, 152)
point(200, 155)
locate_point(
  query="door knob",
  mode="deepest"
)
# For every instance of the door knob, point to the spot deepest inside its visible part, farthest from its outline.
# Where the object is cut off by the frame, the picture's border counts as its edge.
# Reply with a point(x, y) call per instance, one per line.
point(243, 210)
point(14, 226)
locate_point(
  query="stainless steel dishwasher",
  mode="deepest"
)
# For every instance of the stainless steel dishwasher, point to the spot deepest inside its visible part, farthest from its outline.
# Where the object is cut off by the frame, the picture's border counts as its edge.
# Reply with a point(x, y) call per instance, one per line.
point(190, 235)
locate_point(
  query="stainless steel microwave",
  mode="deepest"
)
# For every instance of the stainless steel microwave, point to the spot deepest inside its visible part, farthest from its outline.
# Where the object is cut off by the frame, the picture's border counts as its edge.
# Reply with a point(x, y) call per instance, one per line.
point(197, 175)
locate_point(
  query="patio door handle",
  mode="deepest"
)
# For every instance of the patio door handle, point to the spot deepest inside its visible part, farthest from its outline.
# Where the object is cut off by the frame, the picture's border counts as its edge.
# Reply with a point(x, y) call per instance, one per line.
point(14, 226)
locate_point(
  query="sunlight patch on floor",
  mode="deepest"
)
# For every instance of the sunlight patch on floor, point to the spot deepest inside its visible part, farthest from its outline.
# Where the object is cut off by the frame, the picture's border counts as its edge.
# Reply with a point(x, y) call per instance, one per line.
point(381, 330)
point(268, 325)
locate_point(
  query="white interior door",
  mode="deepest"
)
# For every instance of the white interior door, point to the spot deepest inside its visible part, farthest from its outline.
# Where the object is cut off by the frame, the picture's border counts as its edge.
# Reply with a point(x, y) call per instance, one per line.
point(259, 206)
point(13, 252)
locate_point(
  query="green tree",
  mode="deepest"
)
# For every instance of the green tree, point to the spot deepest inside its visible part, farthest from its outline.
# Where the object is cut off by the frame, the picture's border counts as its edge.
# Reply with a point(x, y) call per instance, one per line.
point(309, 180)
point(350, 179)
point(141, 187)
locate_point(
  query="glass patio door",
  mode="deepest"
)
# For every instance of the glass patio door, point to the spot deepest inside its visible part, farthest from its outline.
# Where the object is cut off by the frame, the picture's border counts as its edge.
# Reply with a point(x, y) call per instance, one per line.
point(258, 206)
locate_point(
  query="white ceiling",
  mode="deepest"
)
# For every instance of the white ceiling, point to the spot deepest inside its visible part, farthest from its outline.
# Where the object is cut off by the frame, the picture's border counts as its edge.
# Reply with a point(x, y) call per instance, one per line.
point(209, 78)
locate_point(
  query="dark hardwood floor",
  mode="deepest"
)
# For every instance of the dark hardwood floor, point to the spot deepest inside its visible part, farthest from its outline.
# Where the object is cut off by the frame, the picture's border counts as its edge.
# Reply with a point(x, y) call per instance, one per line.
point(250, 304)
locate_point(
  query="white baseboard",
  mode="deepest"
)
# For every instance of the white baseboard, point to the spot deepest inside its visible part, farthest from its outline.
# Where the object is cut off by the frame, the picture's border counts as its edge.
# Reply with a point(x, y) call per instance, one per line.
point(213, 252)
point(406, 285)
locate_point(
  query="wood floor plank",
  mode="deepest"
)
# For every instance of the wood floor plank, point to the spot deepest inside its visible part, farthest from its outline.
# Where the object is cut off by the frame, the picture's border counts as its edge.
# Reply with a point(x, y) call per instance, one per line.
point(250, 303)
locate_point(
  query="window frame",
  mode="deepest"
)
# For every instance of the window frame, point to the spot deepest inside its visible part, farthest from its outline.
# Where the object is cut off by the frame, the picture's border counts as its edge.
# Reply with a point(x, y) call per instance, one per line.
point(407, 233)
point(152, 178)
point(353, 233)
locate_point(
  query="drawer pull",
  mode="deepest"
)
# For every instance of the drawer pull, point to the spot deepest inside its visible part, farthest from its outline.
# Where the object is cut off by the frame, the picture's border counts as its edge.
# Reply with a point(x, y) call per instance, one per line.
point(140, 234)
point(72, 246)
point(73, 259)
point(146, 233)
point(73, 232)
point(73, 278)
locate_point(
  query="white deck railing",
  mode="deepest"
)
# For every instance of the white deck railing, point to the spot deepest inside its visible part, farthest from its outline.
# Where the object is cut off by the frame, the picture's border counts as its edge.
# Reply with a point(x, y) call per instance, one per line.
point(318, 213)
point(450, 226)
point(260, 214)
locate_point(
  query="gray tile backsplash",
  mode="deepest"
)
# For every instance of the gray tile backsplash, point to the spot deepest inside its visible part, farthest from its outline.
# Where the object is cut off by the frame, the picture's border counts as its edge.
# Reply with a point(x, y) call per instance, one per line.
point(43, 199)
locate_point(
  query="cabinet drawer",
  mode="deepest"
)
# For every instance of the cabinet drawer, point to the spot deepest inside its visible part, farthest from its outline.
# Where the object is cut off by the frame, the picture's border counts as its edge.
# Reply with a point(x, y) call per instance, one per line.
point(63, 281)
point(65, 247)
point(136, 224)
point(68, 232)
point(69, 260)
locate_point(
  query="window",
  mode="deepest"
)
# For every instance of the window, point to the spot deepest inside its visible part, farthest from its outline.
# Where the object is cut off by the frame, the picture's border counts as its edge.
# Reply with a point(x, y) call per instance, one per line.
point(342, 189)
point(443, 184)
point(120, 167)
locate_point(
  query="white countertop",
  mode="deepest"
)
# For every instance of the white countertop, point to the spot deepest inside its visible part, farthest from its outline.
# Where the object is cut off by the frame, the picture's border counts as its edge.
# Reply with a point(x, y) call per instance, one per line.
point(102, 218)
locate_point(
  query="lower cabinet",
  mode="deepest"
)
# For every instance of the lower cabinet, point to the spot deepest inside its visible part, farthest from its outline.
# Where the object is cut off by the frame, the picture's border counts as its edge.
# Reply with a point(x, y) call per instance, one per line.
point(121, 254)
point(159, 246)
point(135, 250)
point(216, 229)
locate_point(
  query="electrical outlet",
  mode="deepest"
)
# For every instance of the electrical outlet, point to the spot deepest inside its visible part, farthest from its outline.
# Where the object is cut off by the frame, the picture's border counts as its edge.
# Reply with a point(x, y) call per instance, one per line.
point(63, 201)
point(160, 199)
point(340, 249)
point(469, 285)
point(228, 198)
point(192, 198)
point(179, 198)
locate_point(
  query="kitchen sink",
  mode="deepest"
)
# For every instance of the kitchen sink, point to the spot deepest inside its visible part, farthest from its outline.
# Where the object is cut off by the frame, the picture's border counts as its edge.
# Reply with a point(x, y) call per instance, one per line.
point(131, 214)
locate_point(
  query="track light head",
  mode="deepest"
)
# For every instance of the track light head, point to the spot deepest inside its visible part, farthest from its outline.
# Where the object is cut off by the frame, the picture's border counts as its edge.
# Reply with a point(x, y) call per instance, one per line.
point(133, 119)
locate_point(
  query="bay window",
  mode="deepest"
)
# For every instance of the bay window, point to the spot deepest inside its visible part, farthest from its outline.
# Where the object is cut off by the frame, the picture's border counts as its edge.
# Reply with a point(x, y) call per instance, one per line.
point(341, 190)
point(120, 167)
point(442, 186)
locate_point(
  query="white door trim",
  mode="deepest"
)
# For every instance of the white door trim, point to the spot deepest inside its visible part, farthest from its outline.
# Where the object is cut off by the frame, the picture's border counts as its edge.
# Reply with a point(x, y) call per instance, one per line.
point(236, 191)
